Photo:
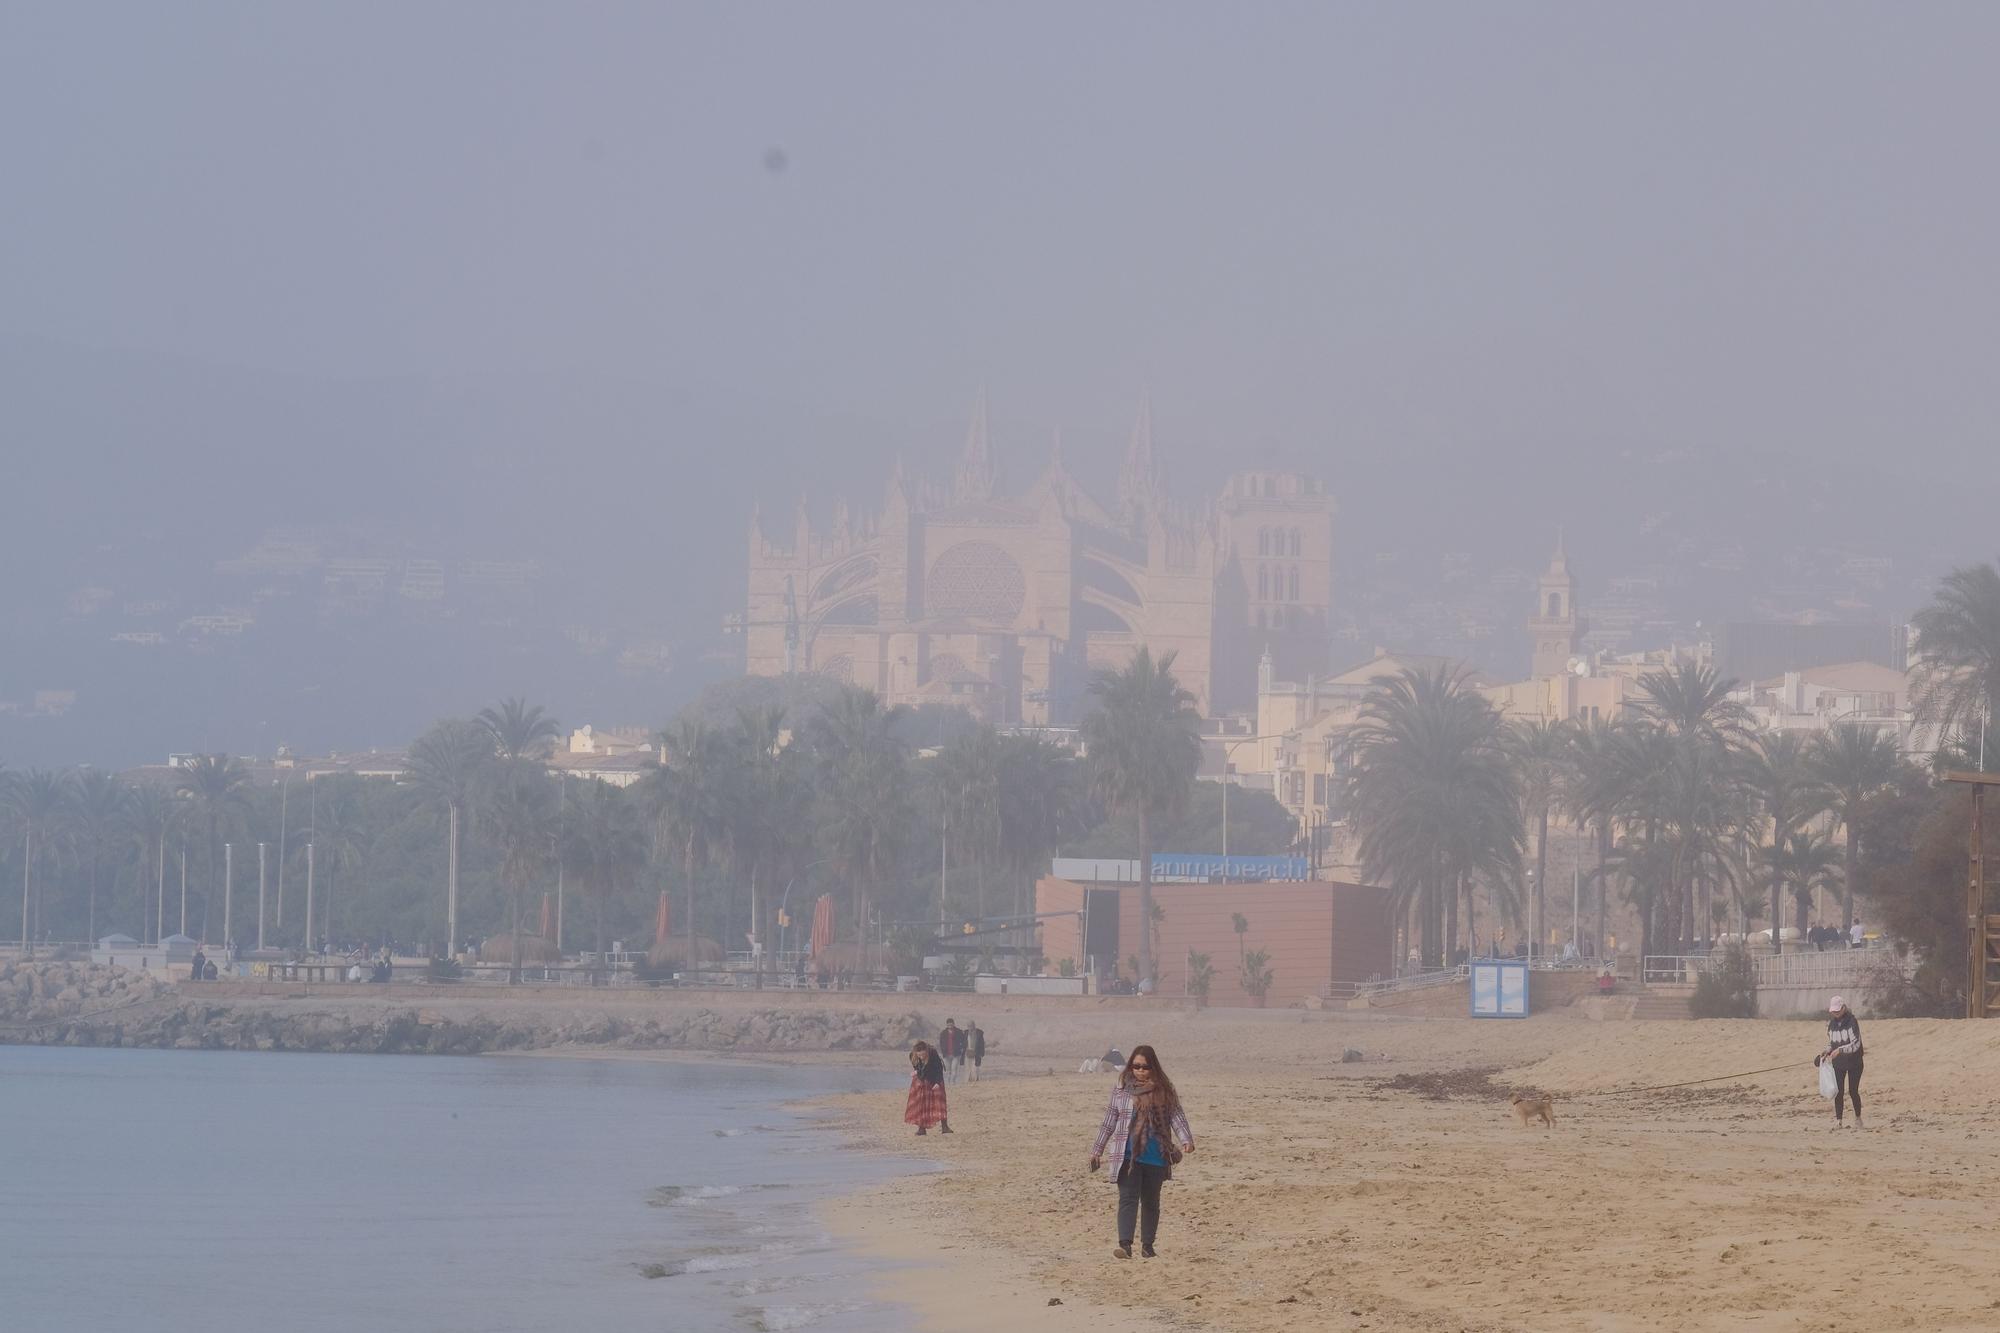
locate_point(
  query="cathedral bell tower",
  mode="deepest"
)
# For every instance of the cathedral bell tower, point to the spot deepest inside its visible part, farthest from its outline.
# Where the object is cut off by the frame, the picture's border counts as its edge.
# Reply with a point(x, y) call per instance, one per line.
point(1555, 630)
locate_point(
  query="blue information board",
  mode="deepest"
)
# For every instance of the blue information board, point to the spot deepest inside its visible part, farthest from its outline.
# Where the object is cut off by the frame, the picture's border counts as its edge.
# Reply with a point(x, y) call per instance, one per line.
point(1499, 989)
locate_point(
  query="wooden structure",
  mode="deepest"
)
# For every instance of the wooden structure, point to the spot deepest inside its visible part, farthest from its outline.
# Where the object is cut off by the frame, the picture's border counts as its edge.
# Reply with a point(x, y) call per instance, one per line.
point(1982, 930)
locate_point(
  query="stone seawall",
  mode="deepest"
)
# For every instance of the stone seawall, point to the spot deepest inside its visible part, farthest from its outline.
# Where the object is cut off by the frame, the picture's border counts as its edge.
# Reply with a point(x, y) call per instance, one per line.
point(73, 1004)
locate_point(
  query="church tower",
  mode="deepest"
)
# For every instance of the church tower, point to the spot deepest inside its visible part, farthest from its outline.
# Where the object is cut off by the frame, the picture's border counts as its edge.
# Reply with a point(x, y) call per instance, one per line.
point(1554, 630)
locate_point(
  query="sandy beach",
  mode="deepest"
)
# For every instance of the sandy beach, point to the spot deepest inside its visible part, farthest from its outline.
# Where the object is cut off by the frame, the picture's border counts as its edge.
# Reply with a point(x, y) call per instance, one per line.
point(1397, 1192)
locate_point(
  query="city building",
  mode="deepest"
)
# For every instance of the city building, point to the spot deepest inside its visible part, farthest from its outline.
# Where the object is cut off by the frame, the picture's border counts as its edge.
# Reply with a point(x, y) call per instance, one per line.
point(1005, 604)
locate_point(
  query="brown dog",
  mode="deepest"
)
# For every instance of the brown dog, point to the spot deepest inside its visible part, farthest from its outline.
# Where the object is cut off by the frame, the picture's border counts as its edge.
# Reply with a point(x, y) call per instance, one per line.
point(1527, 1109)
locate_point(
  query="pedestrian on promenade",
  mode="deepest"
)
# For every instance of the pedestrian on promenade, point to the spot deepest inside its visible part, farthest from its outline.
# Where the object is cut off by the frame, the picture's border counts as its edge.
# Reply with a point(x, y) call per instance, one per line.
point(975, 1047)
point(1144, 1132)
point(926, 1105)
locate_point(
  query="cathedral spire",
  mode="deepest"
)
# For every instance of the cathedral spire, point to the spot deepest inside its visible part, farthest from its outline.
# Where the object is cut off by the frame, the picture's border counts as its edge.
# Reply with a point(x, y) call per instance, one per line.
point(975, 465)
point(1141, 489)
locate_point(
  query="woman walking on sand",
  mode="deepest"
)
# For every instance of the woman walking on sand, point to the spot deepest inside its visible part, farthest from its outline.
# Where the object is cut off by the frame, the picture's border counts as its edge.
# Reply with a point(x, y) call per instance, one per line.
point(1146, 1132)
point(1843, 1047)
point(925, 1106)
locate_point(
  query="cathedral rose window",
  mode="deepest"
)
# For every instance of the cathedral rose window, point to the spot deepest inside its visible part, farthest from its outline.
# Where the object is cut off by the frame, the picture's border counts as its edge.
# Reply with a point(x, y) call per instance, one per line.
point(976, 580)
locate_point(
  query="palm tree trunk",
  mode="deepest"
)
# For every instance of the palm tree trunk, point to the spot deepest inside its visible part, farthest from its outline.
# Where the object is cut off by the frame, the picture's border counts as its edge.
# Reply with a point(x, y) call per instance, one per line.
point(1471, 915)
point(687, 868)
point(1847, 882)
point(1603, 855)
point(27, 892)
point(1542, 877)
point(450, 884)
point(1145, 892)
point(214, 838)
point(756, 930)
point(90, 931)
point(514, 970)
point(1451, 919)
point(1777, 911)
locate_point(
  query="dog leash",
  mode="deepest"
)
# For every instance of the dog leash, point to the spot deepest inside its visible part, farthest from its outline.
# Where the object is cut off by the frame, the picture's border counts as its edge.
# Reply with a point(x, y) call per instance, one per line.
point(1685, 1083)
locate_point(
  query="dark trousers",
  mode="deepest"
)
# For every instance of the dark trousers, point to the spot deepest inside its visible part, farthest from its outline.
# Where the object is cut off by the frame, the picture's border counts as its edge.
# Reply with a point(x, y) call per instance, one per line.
point(1139, 1201)
point(1847, 1079)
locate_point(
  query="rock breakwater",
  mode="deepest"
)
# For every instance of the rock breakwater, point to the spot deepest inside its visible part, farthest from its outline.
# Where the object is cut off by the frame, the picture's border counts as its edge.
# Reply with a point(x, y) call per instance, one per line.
point(76, 1004)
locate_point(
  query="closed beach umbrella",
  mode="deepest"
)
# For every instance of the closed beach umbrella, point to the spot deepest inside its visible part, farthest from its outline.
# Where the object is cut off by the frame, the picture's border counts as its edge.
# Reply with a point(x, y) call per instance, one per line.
point(822, 931)
point(545, 916)
point(660, 922)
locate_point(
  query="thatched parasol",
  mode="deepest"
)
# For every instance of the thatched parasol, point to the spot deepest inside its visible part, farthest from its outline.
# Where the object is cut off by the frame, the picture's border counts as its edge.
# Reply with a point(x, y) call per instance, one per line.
point(847, 956)
point(534, 949)
point(673, 951)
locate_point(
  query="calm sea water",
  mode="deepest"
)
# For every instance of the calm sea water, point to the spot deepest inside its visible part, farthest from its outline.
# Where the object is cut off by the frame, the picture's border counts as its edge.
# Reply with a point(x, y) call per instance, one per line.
point(189, 1190)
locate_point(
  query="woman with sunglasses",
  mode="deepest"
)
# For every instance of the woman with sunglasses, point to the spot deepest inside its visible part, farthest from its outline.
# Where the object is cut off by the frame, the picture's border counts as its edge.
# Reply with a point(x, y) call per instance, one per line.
point(1145, 1132)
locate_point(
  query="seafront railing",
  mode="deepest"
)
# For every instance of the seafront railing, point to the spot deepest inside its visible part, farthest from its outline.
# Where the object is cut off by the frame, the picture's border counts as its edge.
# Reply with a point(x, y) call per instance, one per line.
point(1806, 967)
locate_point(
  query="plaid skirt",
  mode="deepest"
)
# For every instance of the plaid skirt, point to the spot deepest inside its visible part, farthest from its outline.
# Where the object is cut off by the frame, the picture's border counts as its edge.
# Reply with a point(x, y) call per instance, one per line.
point(926, 1104)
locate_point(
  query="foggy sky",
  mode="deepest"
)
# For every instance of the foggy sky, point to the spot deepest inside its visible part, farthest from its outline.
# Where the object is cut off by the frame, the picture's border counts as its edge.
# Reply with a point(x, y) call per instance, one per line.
point(460, 267)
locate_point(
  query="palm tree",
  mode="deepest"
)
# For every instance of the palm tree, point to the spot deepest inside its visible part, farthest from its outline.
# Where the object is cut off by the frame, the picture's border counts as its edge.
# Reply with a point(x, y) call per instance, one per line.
point(1593, 791)
point(1958, 651)
point(765, 810)
point(523, 825)
point(967, 777)
point(448, 766)
point(100, 801)
point(603, 840)
point(1144, 748)
point(1692, 701)
point(521, 731)
point(217, 788)
point(341, 838)
point(1855, 764)
point(1036, 809)
point(40, 802)
point(1690, 704)
point(1540, 752)
point(1432, 799)
point(1241, 925)
point(864, 802)
point(691, 792)
point(1805, 861)
point(151, 816)
point(1788, 791)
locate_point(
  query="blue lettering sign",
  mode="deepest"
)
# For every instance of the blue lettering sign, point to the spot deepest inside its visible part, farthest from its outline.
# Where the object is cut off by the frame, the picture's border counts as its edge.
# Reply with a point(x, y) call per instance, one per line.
point(1248, 869)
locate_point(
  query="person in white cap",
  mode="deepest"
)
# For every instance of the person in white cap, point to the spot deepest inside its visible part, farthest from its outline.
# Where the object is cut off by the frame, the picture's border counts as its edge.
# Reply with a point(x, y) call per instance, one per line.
point(1843, 1047)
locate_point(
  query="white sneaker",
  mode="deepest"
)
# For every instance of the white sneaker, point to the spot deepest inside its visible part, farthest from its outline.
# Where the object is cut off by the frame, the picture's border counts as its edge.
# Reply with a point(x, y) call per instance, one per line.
point(1858, 1124)
point(1835, 1126)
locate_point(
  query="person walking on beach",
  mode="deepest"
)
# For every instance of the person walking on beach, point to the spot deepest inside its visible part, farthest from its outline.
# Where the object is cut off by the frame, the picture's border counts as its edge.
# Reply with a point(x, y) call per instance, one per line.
point(1843, 1047)
point(926, 1105)
point(975, 1047)
point(1145, 1132)
point(951, 1049)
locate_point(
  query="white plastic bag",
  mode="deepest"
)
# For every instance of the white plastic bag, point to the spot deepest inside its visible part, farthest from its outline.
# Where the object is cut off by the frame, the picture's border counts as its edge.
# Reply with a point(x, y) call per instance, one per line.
point(1828, 1087)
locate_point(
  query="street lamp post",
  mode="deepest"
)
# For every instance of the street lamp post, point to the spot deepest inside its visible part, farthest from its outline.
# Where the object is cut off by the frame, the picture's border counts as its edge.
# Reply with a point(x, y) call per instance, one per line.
point(260, 895)
point(1229, 748)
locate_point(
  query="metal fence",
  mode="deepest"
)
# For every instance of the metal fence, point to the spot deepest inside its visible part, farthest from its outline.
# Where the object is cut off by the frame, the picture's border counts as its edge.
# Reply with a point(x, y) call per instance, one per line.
point(1805, 967)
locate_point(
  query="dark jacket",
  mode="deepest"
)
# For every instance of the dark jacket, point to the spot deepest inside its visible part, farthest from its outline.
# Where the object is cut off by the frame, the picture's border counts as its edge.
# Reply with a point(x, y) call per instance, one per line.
point(951, 1043)
point(932, 1069)
point(975, 1044)
point(1843, 1037)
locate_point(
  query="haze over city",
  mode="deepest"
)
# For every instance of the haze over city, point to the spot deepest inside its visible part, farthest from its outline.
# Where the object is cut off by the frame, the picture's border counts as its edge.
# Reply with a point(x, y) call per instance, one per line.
point(360, 371)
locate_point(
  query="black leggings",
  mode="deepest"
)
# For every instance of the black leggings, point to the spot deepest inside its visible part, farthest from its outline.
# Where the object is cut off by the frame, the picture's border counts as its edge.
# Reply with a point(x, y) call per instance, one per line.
point(1847, 1078)
point(1139, 1200)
